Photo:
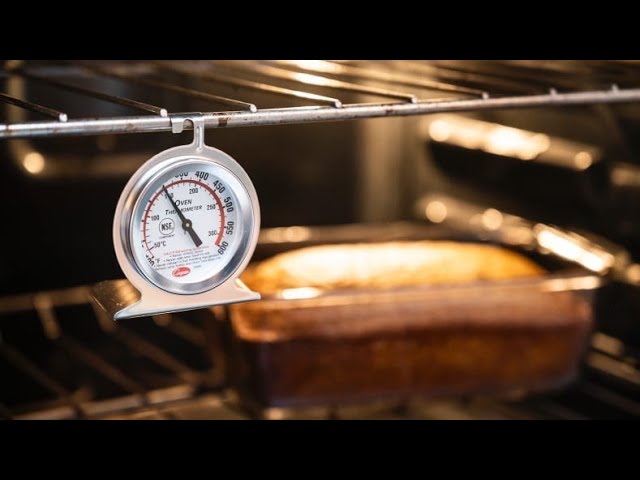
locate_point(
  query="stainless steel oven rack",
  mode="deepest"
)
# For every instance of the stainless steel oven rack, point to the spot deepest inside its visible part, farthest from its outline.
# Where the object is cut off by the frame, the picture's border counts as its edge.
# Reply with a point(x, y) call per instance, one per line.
point(76, 363)
point(317, 90)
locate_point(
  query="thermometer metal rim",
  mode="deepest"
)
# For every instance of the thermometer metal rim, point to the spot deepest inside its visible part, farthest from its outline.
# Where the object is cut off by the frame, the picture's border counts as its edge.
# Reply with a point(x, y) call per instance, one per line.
point(230, 172)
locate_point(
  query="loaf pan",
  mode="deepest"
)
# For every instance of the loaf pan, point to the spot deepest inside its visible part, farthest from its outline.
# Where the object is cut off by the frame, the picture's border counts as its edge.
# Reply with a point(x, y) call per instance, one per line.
point(306, 346)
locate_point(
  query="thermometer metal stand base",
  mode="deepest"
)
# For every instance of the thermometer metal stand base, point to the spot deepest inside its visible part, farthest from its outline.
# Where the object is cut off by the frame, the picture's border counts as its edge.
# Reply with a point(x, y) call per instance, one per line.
point(121, 300)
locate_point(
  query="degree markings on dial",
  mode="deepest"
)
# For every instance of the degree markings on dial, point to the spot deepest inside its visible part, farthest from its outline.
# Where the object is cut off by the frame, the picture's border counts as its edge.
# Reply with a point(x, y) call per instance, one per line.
point(170, 185)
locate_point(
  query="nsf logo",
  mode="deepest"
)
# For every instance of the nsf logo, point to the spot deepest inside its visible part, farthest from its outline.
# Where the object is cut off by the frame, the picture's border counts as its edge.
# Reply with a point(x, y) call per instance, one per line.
point(167, 226)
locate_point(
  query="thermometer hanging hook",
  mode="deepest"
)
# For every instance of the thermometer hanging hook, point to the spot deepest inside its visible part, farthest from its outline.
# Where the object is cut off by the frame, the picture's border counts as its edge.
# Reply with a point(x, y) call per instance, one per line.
point(197, 120)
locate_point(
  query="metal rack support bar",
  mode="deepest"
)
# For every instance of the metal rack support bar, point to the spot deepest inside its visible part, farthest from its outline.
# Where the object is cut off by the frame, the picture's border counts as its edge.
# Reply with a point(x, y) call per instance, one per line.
point(314, 114)
point(173, 88)
point(315, 80)
point(34, 107)
point(23, 363)
point(239, 82)
point(399, 78)
point(126, 102)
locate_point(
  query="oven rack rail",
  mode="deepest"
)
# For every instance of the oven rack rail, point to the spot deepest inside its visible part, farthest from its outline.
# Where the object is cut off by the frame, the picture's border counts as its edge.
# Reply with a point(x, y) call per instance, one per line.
point(406, 88)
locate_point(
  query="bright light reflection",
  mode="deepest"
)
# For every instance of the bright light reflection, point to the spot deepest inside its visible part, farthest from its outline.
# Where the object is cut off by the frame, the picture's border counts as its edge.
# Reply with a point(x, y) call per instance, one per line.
point(436, 211)
point(571, 251)
point(299, 293)
point(492, 138)
point(33, 162)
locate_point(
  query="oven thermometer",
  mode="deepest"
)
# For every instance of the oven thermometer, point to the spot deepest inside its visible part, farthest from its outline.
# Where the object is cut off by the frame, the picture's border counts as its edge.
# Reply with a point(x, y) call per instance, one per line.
point(185, 227)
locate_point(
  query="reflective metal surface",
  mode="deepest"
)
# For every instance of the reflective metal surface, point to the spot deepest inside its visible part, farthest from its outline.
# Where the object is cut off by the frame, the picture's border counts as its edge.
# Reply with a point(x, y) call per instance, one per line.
point(371, 79)
point(158, 294)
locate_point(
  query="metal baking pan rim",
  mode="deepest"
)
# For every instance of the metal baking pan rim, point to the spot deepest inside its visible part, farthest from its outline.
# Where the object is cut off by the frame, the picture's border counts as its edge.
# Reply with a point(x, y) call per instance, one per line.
point(569, 280)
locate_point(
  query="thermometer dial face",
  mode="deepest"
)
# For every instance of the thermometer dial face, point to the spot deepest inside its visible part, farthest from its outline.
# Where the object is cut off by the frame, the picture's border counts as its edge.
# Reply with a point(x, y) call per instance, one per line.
point(189, 226)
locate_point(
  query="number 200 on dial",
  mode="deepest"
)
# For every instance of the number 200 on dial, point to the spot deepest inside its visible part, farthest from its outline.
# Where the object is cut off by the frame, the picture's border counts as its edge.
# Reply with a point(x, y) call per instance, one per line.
point(189, 227)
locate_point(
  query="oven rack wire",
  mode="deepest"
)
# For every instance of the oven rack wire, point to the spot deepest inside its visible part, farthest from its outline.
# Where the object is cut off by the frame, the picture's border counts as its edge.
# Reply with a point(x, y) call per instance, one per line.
point(190, 392)
point(325, 89)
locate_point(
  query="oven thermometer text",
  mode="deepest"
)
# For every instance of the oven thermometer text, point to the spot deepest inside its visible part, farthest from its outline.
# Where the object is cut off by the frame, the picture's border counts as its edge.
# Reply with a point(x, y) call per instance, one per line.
point(188, 226)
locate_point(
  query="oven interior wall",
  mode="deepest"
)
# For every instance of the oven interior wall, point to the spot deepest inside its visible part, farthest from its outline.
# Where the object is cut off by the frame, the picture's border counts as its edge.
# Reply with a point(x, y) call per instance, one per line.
point(603, 199)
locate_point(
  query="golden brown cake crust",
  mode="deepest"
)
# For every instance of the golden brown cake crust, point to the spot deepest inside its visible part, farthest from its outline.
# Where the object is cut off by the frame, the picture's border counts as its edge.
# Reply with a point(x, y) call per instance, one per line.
point(385, 265)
